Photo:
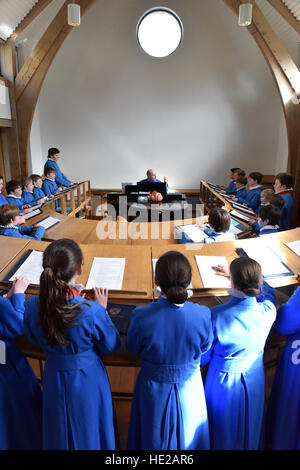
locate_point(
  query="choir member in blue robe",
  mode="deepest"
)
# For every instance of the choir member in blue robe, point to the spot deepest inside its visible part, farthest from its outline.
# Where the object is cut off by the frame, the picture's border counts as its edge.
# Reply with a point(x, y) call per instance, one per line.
point(38, 193)
point(267, 220)
point(2, 198)
point(283, 187)
point(14, 196)
point(219, 221)
point(283, 423)
point(49, 186)
point(27, 193)
point(252, 198)
point(235, 173)
point(234, 385)
point(10, 218)
point(60, 178)
point(169, 335)
point(74, 334)
point(20, 393)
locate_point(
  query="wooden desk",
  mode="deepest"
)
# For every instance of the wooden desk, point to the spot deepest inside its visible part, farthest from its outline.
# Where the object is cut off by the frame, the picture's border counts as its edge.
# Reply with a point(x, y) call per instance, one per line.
point(46, 212)
point(10, 248)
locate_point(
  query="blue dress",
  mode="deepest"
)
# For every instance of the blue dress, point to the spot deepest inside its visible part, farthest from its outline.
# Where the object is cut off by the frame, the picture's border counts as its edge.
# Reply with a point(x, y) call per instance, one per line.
point(60, 178)
point(77, 408)
point(283, 419)
point(2, 200)
point(168, 409)
point(22, 232)
point(20, 393)
point(234, 385)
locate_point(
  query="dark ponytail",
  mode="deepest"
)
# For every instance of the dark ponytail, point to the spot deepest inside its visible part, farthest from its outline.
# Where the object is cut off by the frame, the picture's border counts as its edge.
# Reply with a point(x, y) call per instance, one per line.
point(61, 261)
point(247, 275)
point(173, 274)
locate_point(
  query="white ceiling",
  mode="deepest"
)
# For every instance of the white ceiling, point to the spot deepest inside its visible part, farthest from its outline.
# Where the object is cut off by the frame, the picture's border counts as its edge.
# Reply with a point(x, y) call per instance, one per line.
point(12, 13)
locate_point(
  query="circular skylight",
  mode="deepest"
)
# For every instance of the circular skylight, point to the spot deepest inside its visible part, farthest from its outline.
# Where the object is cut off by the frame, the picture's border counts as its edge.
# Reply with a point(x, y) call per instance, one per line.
point(159, 32)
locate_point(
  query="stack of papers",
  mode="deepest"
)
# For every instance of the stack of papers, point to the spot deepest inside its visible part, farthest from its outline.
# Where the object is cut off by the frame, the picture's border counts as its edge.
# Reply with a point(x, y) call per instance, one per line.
point(31, 268)
point(209, 277)
point(294, 246)
point(193, 231)
point(240, 216)
point(48, 222)
point(270, 262)
point(107, 272)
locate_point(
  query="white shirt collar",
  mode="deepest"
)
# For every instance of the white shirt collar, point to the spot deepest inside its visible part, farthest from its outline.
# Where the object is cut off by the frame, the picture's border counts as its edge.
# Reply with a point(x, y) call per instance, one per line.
point(16, 197)
point(8, 226)
point(255, 187)
point(269, 227)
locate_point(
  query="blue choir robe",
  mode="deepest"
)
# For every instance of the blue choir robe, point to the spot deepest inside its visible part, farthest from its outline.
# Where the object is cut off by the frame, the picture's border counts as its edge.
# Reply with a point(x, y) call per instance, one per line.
point(77, 407)
point(20, 393)
point(283, 423)
point(17, 201)
point(22, 232)
point(2, 200)
point(234, 385)
point(252, 198)
point(29, 198)
point(49, 188)
point(286, 211)
point(60, 178)
point(231, 188)
point(169, 410)
point(212, 237)
point(264, 230)
point(38, 193)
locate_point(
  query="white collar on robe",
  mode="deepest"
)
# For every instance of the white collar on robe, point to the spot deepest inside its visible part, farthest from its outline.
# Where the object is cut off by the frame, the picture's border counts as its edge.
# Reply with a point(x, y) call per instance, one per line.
point(269, 227)
point(16, 197)
point(255, 187)
point(9, 226)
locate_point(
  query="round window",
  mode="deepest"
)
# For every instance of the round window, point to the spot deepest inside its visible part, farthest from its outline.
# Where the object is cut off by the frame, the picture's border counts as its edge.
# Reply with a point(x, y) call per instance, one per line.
point(159, 32)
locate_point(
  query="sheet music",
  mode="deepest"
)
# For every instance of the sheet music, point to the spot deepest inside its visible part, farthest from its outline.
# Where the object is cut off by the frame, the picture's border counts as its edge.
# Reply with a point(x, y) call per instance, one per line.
point(32, 268)
point(243, 208)
point(270, 262)
point(107, 272)
point(294, 246)
point(48, 222)
point(193, 231)
point(31, 214)
point(209, 277)
point(154, 261)
point(35, 207)
point(239, 215)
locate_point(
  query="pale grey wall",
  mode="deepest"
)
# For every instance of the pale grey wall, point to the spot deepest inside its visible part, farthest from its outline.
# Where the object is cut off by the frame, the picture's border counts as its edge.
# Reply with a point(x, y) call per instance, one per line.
point(115, 111)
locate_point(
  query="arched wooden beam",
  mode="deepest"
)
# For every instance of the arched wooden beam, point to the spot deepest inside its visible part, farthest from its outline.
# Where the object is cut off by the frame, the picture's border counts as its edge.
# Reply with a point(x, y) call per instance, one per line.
point(30, 78)
point(287, 79)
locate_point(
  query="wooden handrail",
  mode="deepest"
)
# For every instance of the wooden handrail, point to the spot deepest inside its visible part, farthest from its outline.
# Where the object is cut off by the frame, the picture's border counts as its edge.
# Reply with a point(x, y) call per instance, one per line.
point(71, 201)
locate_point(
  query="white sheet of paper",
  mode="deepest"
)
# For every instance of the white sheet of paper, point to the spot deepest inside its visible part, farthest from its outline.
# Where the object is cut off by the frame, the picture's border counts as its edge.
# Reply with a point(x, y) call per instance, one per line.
point(239, 215)
point(31, 214)
point(209, 277)
point(107, 272)
point(32, 268)
point(294, 246)
point(154, 261)
point(193, 231)
point(243, 208)
point(48, 222)
point(270, 263)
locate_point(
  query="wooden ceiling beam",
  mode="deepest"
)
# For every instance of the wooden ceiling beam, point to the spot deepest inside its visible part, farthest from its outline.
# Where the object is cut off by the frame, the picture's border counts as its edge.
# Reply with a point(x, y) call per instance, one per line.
point(286, 14)
point(32, 14)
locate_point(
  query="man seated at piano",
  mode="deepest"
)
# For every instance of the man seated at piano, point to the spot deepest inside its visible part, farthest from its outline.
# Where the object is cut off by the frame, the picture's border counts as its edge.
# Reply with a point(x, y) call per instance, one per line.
point(151, 178)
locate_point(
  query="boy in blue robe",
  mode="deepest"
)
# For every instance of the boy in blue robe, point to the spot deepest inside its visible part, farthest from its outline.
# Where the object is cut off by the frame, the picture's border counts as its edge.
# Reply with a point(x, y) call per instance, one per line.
point(28, 195)
point(10, 218)
point(169, 335)
point(218, 231)
point(283, 187)
point(267, 220)
point(38, 193)
point(49, 186)
point(60, 178)
point(235, 174)
point(20, 393)
point(2, 198)
point(252, 198)
point(234, 386)
point(283, 424)
point(74, 333)
point(14, 196)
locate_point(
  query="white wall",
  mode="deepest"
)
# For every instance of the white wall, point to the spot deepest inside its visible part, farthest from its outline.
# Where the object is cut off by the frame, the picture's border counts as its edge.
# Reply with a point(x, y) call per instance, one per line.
point(5, 112)
point(115, 111)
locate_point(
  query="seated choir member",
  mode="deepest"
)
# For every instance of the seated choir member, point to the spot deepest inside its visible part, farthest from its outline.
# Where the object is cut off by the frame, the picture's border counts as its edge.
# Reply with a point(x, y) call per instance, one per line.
point(284, 186)
point(234, 386)
point(2, 198)
point(235, 173)
point(283, 424)
point(151, 177)
point(267, 220)
point(74, 333)
point(10, 219)
point(60, 178)
point(28, 195)
point(14, 196)
point(38, 193)
point(252, 198)
point(240, 188)
point(169, 335)
point(20, 393)
point(218, 231)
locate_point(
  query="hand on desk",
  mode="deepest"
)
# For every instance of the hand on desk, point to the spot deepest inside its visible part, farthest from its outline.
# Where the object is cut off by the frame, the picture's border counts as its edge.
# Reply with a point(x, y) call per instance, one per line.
point(101, 296)
point(222, 270)
point(19, 286)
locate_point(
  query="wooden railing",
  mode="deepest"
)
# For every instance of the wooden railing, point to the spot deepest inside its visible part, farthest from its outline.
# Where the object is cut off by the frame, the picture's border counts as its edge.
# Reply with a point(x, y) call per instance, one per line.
point(211, 198)
point(77, 199)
